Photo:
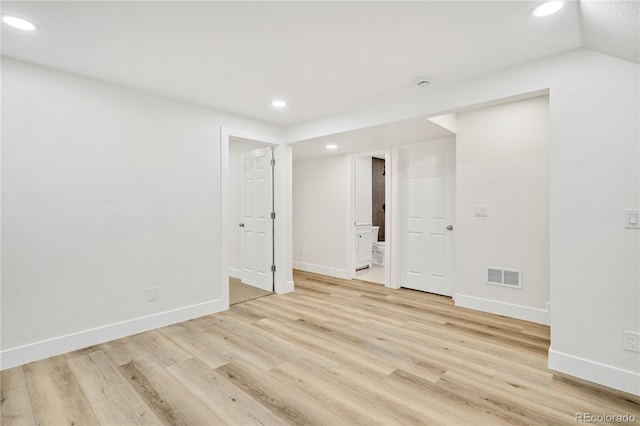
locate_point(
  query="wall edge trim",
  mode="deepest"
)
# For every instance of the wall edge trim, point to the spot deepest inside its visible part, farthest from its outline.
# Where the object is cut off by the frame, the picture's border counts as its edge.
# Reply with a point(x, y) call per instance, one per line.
point(321, 269)
point(235, 273)
point(287, 287)
point(606, 375)
point(527, 313)
point(14, 357)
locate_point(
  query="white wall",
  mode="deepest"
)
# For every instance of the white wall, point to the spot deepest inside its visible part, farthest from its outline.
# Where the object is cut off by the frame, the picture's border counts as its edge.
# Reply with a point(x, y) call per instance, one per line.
point(595, 262)
point(105, 192)
point(594, 176)
point(321, 215)
point(362, 190)
point(236, 149)
point(594, 170)
point(503, 162)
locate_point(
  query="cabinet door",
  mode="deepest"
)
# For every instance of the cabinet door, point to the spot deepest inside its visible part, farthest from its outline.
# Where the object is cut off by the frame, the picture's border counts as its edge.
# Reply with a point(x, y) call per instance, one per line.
point(364, 248)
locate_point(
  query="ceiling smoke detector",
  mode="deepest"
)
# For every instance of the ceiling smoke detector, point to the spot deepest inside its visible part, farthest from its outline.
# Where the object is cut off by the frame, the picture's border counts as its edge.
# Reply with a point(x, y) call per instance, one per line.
point(423, 81)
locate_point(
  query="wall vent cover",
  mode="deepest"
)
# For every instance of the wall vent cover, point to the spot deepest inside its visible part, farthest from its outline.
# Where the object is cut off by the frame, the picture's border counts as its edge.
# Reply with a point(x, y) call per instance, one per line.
point(504, 277)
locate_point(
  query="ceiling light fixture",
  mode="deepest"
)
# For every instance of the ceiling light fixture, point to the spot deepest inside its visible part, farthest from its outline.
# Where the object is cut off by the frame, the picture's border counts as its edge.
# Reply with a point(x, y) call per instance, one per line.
point(19, 23)
point(332, 146)
point(279, 103)
point(548, 8)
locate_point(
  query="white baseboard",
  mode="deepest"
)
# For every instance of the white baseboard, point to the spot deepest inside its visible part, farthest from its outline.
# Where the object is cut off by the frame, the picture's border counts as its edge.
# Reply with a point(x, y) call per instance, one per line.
point(286, 287)
point(527, 313)
point(320, 269)
point(20, 355)
point(626, 381)
point(235, 273)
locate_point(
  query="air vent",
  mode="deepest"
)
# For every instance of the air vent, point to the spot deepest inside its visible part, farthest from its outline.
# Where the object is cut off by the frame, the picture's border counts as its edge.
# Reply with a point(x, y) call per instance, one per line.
point(504, 277)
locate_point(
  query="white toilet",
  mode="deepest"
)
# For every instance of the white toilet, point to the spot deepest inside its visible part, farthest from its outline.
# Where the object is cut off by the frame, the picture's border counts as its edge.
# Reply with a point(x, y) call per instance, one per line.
point(377, 247)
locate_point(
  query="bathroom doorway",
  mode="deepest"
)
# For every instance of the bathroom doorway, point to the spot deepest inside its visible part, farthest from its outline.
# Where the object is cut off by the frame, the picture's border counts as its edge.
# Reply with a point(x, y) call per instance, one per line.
point(370, 214)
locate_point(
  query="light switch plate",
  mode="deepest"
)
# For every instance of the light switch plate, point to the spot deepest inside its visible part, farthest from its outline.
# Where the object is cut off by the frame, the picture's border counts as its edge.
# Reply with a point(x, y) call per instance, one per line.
point(629, 216)
point(481, 210)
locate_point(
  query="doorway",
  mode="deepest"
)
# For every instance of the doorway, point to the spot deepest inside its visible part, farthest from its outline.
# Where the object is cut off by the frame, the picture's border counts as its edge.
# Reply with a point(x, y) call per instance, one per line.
point(234, 145)
point(370, 198)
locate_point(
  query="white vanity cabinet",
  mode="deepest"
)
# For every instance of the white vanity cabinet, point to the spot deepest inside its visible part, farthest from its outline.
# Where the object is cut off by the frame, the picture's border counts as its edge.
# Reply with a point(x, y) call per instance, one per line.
point(363, 253)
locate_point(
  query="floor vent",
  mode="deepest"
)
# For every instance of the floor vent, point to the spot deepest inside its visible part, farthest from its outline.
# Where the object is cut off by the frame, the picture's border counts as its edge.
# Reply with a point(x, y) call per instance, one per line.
point(504, 277)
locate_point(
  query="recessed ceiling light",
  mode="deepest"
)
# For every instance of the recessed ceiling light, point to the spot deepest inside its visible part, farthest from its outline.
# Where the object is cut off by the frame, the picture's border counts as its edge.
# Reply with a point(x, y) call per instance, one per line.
point(548, 8)
point(332, 146)
point(279, 103)
point(19, 23)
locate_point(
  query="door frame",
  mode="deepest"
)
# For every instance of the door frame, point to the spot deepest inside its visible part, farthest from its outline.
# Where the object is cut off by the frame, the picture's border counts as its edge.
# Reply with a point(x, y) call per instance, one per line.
point(282, 183)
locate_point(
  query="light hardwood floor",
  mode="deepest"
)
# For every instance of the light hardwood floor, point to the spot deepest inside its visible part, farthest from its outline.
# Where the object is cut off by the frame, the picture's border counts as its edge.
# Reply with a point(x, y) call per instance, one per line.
point(334, 352)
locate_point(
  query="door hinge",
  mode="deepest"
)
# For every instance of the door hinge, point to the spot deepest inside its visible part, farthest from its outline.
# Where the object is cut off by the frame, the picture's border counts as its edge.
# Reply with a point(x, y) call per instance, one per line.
point(273, 162)
point(273, 215)
point(273, 268)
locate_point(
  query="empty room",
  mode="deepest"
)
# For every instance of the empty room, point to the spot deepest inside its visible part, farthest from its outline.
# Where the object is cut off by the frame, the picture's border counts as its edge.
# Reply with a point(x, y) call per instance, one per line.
point(328, 213)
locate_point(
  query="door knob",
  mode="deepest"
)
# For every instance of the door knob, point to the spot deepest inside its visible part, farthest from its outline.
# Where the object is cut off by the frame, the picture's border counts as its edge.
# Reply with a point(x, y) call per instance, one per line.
point(241, 225)
point(449, 228)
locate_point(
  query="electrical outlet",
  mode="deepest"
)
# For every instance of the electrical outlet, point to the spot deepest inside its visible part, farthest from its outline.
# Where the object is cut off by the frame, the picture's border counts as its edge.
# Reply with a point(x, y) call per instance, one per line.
point(152, 294)
point(632, 219)
point(632, 341)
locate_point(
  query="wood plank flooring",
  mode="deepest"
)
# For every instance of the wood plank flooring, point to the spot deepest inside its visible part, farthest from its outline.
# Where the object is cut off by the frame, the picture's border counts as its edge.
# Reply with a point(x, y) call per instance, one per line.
point(333, 352)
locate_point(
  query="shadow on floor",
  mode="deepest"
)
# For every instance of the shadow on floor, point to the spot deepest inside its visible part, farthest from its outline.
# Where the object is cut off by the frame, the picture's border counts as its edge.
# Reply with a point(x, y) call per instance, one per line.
point(239, 292)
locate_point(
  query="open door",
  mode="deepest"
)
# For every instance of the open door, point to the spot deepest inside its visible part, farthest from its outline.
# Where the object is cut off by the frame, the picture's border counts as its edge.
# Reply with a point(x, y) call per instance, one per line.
point(427, 199)
point(257, 220)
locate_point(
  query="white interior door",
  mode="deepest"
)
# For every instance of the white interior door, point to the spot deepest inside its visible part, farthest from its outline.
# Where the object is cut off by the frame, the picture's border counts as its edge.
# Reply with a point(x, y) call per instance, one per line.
point(427, 211)
point(257, 204)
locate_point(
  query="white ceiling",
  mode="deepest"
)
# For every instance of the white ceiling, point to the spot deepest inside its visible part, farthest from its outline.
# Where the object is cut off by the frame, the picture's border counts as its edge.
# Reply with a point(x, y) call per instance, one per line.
point(323, 57)
point(612, 27)
point(372, 139)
